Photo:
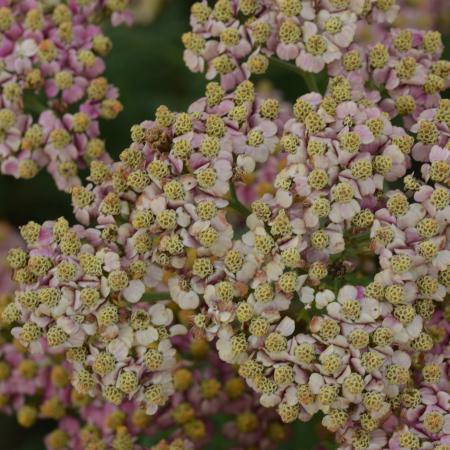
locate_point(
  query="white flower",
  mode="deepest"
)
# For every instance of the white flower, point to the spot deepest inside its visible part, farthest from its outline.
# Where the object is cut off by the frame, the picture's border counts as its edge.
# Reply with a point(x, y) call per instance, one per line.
point(134, 291)
point(184, 299)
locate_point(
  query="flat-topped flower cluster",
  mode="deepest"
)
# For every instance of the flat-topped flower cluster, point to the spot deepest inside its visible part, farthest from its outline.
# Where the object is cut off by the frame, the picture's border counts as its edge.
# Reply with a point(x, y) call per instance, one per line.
point(52, 88)
point(37, 386)
point(235, 39)
point(306, 245)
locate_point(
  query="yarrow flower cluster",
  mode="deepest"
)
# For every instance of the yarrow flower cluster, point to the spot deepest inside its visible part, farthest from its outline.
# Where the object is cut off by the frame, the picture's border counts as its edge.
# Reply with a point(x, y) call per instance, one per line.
point(80, 297)
point(234, 39)
point(301, 249)
point(52, 88)
point(329, 206)
point(199, 396)
point(157, 213)
point(165, 201)
point(406, 63)
point(423, 419)
point(34, 387)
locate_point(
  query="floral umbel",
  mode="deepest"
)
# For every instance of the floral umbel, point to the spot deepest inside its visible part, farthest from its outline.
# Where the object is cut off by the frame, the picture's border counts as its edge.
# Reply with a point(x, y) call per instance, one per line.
point(52, 86)
point(248, 257)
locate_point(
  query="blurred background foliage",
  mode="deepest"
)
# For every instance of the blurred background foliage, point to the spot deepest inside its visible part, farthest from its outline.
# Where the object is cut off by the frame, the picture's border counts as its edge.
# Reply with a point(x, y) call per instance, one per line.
point(147, 65)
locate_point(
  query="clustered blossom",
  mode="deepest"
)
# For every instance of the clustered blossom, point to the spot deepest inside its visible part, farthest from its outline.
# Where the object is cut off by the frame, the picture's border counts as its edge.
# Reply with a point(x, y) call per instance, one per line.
point(166, 200)
point(157, 215)
point(52, 88)
point(37, 386)
point(404, 62)
point(199, 396)
point(423, 412)
point(331, 201)
point(32, 386)
point(234, 39)
point(306, 244)
point(159, 219)
point(83, 295)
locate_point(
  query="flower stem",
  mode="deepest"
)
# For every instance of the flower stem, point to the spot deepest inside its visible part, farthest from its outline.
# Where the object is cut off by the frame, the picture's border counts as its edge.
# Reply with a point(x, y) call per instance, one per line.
point(236, 204)
point(33, 104)
point(308, 77)
point(152, 296)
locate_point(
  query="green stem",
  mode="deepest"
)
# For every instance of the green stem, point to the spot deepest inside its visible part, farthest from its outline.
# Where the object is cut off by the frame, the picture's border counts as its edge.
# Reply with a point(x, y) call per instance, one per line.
point(236, 204)
point(152, 296)
point(361, 237)
point(33, 104)
point(308, 77)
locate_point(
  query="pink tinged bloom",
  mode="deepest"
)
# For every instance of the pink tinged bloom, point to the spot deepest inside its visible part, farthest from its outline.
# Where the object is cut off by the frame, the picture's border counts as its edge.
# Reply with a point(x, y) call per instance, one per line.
point(134, 292)
point(325, 53)
point(186, 300)
point(347, 20)
point(344, 211)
